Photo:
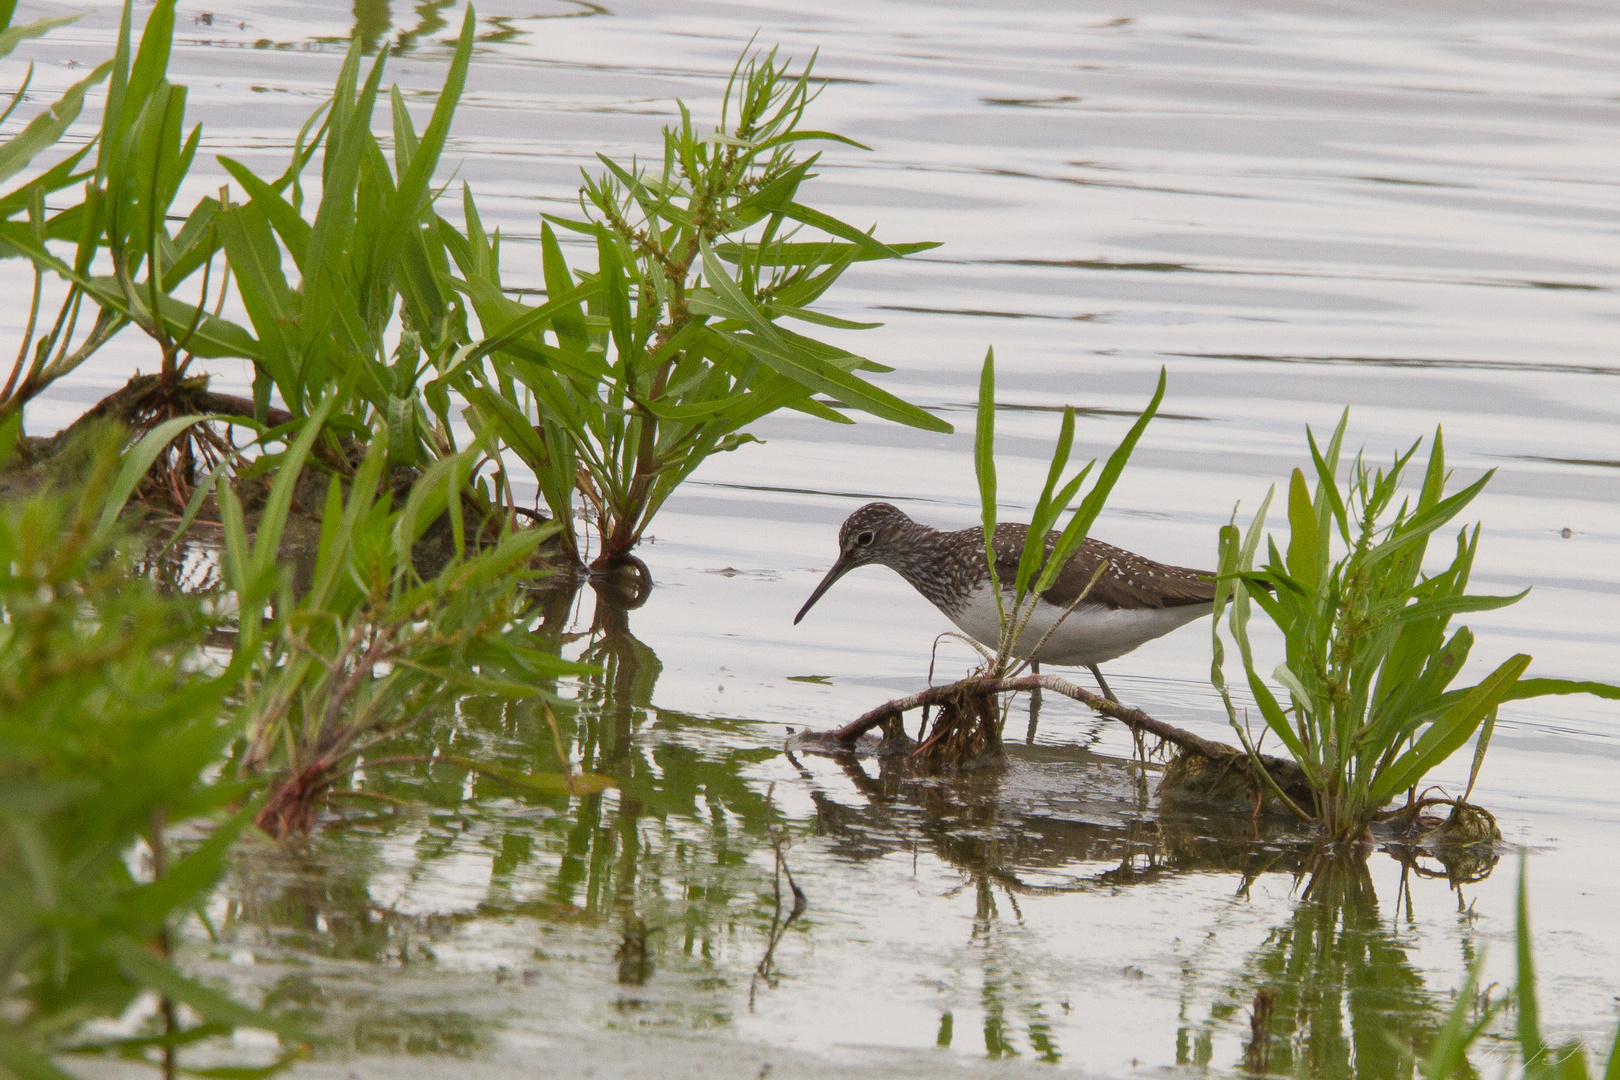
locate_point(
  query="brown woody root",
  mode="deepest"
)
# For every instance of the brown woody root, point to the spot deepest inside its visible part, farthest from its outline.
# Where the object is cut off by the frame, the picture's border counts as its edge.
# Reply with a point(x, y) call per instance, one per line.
point(144, 396)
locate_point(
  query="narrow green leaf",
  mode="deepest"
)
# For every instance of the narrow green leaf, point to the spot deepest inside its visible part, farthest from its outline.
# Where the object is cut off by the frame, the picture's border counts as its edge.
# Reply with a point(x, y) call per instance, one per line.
point(569, 322)
point(410, 199)
point(984, 466)
point(273, 518)
point(766, 343)
point(1533, 688)
point(1081, 521)
point(136, 463)
point(833, 227)
point(1306, 554)
point(45, 129)
point(12, 36)
point(278, 212)
point(188, 879)
point(1448, 732)
point(1046, 511)
point(1528, 1026)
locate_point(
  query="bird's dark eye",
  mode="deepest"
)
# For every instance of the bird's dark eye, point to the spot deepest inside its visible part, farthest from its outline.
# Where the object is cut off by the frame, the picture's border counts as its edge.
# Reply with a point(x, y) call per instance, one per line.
point(865, 539)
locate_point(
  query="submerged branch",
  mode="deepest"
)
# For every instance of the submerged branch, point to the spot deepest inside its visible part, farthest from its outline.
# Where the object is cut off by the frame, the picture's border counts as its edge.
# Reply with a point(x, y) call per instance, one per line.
point(1135, 719)
point(1229, 759)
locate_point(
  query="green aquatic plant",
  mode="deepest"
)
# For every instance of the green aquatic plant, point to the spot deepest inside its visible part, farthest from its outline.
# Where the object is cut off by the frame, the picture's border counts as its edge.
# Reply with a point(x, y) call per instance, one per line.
point(110, 737)
point(371, 268)
point(1046, 552)
point(372, 640)
point(631, 375)
point(142, 154)
point(1367, 706)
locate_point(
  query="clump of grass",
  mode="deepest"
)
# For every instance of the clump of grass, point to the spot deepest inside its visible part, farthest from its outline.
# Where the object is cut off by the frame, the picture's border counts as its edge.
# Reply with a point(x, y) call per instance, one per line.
point(109, 740)
point(372, 642)
point(1367, 705)
point(371, 265)
point(142, 154)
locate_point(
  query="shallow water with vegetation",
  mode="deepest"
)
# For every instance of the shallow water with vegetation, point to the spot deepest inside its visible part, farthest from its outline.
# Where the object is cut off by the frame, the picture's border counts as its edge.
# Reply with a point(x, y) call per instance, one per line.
point(1292, 207)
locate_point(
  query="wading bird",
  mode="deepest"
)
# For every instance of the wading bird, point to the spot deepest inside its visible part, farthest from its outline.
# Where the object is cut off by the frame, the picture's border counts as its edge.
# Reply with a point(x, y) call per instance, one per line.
point(1133, 601)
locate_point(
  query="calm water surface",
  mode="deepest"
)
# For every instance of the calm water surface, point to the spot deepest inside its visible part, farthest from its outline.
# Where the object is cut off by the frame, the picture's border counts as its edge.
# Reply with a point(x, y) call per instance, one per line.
point(1293, 207)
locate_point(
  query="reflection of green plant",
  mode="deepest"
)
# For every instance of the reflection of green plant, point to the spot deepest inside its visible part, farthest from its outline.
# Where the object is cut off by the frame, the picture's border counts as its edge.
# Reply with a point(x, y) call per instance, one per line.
point(680, 344)
point(108, 736)
point(1347, 1000)
point(1448, 1055)
point(1369, 666)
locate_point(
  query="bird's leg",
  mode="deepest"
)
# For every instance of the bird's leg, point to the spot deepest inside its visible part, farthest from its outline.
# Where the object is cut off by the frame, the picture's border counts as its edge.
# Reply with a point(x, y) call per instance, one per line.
point(1034, 705)
point(1102, 683)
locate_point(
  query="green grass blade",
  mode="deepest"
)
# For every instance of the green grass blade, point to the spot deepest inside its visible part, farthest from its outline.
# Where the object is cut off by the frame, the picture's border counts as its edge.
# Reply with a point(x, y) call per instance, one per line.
point(273, 519)
point(137, 462)
point(1046, 511)
point(45, 129)
point(1448, 1054)
point(405, 138)
point(1446, 607)
point(411, 198)
point(811, 253)
point(1448, 732)
point(1419, 526)
point(288, 223)
point(194, 506)
point(237, 556)
point(346, 148)
point(111, 139)
point(1528, 1008)
point(151, 60)
point(1532, 688)
point(1307, 556)
point(1525, 689)
point(769, 346)
point(816, 219)
point(1081, 521)
point(984, 466)
point(430, 496)
point(616, 294)
point(12, 36)
point(535, 319)
point(1480, 745)
point(150, 971)
point(569, 322)
point(1327, 485)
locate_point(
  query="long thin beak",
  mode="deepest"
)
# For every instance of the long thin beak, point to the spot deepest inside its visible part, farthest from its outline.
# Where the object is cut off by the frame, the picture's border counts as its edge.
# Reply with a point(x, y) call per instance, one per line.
point(839, 569)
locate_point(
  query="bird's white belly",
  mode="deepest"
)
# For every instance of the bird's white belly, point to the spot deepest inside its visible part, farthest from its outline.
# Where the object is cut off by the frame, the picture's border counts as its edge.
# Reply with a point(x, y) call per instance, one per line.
point(1091, 634)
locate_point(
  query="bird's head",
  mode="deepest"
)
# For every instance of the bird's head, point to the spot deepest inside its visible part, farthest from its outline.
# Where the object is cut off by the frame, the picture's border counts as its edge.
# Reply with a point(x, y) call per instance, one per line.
point(867, 536)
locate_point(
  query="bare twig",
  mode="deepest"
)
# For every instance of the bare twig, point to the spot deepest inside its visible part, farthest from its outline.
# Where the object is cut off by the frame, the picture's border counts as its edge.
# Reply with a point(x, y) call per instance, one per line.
point(780, 842)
